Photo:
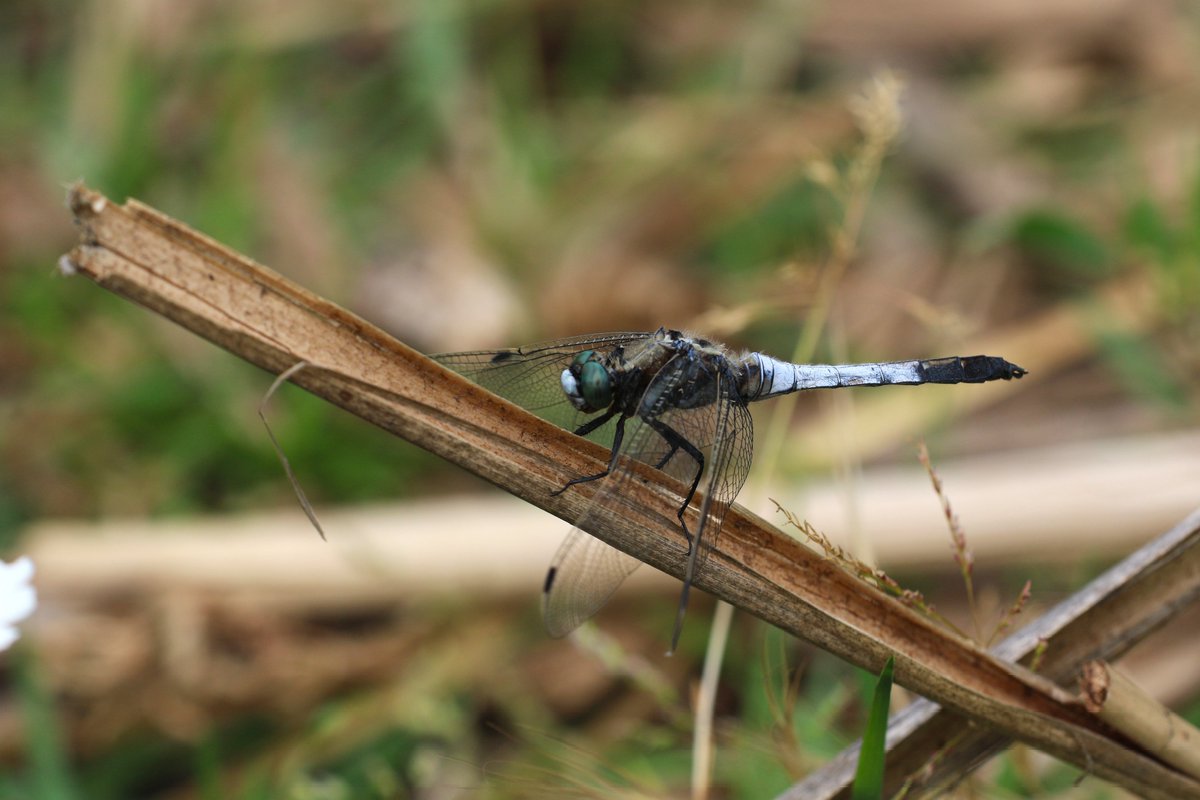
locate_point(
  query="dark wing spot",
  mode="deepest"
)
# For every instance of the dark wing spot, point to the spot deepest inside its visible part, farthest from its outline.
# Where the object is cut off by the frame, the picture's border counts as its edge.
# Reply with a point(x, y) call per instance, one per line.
point(550, 573)
point(505, 355)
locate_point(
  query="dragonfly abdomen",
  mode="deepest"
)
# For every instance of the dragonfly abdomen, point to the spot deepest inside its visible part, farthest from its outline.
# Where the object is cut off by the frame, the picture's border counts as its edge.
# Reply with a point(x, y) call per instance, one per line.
point(777, 377)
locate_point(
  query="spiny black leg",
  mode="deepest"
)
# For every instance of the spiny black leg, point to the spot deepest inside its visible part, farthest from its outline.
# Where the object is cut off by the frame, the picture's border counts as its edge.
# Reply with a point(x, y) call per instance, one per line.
point(677, 442)
point(612, 460)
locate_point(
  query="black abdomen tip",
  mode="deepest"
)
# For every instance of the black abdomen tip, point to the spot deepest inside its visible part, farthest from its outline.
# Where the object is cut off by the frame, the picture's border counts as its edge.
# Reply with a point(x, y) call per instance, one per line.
point(969, 369)
point(977, 369)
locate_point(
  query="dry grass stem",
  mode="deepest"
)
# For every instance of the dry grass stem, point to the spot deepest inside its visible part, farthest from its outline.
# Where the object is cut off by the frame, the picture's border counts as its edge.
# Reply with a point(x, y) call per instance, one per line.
point(1121, 703)
point(962, 552)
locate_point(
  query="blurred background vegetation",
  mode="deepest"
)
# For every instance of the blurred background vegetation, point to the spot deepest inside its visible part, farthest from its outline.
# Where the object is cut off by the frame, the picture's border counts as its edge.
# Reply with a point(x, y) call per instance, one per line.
point(471, 175)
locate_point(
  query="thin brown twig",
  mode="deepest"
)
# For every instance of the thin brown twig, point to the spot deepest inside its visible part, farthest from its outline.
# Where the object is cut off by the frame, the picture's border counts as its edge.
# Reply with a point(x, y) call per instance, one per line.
point(309, 511)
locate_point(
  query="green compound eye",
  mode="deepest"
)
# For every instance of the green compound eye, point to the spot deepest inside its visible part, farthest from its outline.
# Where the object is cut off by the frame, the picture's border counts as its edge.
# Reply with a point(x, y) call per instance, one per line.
point(595, 384)
point(583, 358)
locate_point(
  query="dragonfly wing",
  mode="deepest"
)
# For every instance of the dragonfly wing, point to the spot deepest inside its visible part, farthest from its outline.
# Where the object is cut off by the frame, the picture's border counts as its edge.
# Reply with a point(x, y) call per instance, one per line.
point(724, 432)
point(725, 473)
point(707, 445)
point(721, 432)
point(586, 571)
point(583, 575)
point(530, 376)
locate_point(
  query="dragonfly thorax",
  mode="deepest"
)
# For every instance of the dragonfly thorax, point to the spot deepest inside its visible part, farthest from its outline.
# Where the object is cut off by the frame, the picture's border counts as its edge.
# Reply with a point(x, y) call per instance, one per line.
point(587, 382)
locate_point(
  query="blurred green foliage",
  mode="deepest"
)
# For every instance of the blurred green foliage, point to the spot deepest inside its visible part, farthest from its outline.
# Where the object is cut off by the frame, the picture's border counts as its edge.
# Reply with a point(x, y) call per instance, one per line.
point(1061, 246)
point(795, 223)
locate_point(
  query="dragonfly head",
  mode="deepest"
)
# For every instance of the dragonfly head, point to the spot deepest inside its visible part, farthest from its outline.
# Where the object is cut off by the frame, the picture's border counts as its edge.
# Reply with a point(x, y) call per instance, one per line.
point(587, 383)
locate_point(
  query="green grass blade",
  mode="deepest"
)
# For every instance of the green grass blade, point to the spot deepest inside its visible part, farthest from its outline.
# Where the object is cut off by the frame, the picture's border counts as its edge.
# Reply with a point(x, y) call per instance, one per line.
point(868, 778)
point(49, 773)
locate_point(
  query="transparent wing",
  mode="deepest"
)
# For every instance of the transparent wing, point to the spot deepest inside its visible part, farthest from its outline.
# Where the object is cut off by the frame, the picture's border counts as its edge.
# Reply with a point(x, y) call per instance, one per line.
point(724, 432)
point(530, 376)
point(583, 575)
point(707, 446)
point(725, 473)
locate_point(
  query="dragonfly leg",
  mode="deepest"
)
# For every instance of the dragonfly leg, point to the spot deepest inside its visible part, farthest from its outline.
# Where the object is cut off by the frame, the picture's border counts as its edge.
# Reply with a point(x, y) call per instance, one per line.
point(584, 430)
point(592, 424)
point(678, 442)
point(663, 461)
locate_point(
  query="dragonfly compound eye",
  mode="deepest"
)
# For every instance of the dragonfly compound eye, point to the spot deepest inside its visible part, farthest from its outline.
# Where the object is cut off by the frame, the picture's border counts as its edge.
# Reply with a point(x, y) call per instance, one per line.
point(587, 383)
point(570, 379)
point(596, 385)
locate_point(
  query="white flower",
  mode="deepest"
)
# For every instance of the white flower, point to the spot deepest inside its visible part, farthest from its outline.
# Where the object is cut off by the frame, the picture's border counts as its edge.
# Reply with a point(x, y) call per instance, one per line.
point(17, 598)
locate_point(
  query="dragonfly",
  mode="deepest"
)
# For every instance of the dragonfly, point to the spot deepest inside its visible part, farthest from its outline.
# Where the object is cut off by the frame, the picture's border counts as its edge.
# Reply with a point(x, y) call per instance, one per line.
point(678, 403)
